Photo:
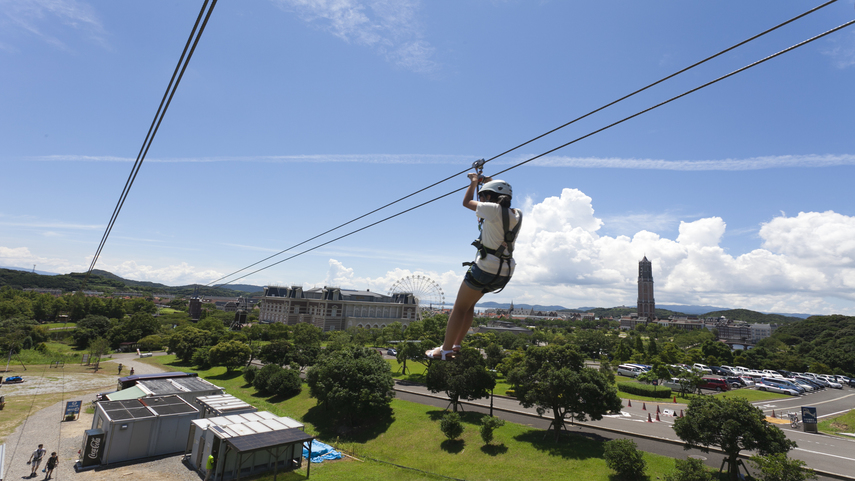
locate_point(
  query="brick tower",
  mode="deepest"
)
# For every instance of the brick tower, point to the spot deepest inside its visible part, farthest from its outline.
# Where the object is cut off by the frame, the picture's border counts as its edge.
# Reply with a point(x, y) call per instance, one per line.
point(646, 303)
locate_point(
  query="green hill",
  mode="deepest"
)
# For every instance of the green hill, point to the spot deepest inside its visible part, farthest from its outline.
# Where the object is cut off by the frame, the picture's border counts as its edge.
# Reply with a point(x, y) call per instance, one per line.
point(105, 282)
point(752, 316)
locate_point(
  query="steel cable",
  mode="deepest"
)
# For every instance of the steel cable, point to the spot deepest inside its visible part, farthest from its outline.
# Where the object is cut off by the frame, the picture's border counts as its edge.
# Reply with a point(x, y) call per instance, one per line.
point(732, 47)
point(751, 65)
point(155, 125)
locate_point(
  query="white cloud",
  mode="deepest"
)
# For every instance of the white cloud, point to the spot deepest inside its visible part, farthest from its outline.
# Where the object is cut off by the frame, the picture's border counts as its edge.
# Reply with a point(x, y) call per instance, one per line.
point(805, 264)
point(389, 27)
point(38, 17)
point(22, 257)
point(841, 50)
point(753, 163)
point(340, 276)
point(174, 275)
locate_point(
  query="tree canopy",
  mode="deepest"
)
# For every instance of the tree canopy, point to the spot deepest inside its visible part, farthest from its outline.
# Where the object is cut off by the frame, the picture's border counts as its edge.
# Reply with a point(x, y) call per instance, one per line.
point(352, 383)
point(732, 424)
point(554, 378)
point(465, 377)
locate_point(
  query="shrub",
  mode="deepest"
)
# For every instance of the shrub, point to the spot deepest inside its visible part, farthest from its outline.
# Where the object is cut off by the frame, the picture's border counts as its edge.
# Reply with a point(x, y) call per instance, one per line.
point(644, 390)
point(623, 456)
point(286, 382)
point(249, 373)
point(778, 467)
point(689, 470)
point(263, 376)
point(489, 425)
point(451, 426)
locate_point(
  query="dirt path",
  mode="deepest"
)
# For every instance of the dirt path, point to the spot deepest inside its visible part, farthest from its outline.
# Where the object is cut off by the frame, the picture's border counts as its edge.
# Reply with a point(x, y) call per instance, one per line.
point(66, 437)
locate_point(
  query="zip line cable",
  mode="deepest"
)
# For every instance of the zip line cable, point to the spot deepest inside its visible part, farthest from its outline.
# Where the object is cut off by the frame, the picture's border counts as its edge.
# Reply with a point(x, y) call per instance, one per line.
point(751, 65)
point(155, 125)
point(531, 140)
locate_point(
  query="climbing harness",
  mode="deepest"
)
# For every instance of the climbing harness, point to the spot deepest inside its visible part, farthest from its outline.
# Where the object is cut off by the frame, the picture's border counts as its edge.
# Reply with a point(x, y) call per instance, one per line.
point(505, 252)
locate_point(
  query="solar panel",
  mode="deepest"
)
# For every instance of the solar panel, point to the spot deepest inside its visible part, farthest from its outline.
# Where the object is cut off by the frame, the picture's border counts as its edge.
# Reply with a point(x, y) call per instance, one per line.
point(254, 442)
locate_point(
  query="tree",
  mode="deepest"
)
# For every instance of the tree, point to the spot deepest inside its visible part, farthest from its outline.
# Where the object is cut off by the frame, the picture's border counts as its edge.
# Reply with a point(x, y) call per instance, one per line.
point(451, 426)
point(778, 467)
point(279, 352)
point(97, 348)
point(465, 377)
point(554, 378)
point(307, 343)
point(134, 328)
point(231, 354)
point(690, 381)
point(261, 378)
point(495, 354)
point(352, 384)
point(488, 425)
point(89, 328)
point(717, 350)
point(285, 382)
point(732, 424)
point(409, 351)
point(184, 342)
point(623, 456)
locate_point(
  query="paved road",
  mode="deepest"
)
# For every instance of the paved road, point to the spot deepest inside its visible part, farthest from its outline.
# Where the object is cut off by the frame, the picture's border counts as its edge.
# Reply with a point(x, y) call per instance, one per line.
point(829, 455)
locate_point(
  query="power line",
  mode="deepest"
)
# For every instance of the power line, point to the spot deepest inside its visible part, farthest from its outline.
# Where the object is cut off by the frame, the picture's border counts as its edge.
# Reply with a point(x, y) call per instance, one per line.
point(751, 65)
point(155, 125)
point(518, 146)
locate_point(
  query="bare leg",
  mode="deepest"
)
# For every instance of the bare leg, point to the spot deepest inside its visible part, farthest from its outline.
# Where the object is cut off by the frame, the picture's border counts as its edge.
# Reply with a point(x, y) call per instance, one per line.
point(461, 316)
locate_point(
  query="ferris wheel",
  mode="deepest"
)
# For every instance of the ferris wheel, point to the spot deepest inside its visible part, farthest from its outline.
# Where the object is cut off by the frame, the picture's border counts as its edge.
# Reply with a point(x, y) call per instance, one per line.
point(429, 296)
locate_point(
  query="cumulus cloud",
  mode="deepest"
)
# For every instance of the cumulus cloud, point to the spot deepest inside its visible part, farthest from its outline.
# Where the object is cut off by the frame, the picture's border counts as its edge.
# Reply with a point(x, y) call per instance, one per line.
point(173, 275)
point(341, 276)
point(389, 27)
point(804, 264)
point(22, 257)
point(38, 17)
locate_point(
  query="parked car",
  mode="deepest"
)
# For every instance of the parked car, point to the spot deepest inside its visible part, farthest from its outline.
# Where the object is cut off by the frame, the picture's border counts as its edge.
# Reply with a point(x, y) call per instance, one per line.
point(703, 368)
point(721, 371)
point(832, 383)
point(747, 380)
point(852, 382)
point(816, 386)
point(714, 384)
point(629, 370)
point(804, 384)
point(766, 384)
point(674, 385)
point(735, 382)
point(391, 351)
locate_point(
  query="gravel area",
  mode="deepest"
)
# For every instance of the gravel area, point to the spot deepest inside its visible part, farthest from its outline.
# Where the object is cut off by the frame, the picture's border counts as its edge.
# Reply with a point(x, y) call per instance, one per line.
point(66, 438)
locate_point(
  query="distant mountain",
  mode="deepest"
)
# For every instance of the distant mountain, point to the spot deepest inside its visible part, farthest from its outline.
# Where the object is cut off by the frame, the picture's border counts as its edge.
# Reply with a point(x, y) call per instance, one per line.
point(689, 309)
point(753, 316)
point(106, 282)
point(496, 305)
point(43, 273)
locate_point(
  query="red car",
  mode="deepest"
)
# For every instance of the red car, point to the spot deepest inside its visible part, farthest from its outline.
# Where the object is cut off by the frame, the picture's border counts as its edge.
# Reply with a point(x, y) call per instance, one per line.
point(715, 384)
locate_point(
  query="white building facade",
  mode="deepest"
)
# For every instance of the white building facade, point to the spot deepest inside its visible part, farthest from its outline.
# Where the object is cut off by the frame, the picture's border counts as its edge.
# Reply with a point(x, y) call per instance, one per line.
point(333, 308)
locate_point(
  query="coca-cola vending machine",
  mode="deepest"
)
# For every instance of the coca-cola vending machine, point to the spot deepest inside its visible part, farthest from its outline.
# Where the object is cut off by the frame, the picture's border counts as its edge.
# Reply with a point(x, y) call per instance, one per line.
point(93, 446)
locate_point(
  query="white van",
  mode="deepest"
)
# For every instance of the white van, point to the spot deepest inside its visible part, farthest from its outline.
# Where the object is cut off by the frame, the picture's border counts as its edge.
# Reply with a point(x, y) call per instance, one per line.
point(629, 370)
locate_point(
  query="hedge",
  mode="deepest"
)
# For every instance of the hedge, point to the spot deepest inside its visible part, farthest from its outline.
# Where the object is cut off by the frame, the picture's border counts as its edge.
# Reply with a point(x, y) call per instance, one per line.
point(644, 390)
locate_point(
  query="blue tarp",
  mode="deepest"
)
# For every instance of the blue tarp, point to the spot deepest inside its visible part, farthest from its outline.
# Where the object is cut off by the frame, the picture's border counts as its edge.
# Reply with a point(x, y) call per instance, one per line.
point(320, 452)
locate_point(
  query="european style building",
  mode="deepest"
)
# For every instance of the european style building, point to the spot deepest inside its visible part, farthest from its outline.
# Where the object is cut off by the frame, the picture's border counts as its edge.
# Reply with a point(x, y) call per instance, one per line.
point(334, 308)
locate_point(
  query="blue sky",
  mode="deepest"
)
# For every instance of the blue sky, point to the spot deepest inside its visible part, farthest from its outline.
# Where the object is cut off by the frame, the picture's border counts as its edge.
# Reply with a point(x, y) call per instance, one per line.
point(298, 115)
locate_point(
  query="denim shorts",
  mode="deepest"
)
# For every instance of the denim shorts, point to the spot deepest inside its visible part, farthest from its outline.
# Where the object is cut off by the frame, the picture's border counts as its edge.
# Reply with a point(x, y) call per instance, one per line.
point(484, 281)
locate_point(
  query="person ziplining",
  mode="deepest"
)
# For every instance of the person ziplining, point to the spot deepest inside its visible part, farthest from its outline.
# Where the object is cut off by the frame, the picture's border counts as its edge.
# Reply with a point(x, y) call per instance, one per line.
point(494, 265)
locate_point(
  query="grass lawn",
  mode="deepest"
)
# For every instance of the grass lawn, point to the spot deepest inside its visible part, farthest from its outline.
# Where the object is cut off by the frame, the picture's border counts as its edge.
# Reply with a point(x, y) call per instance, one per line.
point(752, 395)
point(845, 423)
point(52, 325)
point(167, 310)
point(409, 436)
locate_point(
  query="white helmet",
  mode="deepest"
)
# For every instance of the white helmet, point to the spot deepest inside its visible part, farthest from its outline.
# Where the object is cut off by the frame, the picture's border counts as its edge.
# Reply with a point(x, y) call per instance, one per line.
point(499, 187)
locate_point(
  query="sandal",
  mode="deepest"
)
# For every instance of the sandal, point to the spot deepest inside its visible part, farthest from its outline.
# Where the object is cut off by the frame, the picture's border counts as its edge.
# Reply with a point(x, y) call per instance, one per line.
point(438, 354)
point(456, 348)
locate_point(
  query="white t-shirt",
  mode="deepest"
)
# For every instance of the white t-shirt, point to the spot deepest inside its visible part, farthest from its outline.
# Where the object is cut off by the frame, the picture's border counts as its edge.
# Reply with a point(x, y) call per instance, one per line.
point(493, 234)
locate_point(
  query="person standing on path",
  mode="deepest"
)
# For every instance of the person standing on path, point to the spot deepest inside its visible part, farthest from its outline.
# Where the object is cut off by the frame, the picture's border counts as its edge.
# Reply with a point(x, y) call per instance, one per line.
point(36, 459)
point(209, 467)
point(51, 464)
point(120, 369)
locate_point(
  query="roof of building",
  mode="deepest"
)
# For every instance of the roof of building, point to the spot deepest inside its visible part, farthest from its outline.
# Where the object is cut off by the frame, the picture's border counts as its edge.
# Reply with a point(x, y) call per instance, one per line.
point(255, 442)
point(146, 408)
point(246, 423)
point(177, 385)
point(222, 403)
